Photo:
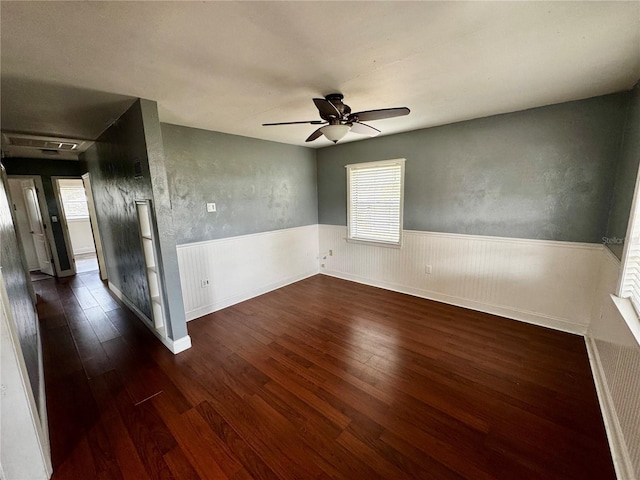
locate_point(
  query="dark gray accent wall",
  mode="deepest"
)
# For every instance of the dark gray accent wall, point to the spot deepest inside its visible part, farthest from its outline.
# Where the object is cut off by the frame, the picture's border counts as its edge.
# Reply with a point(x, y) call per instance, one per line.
point(17, 284)
point(110, 161)
point(135, 138)
point(545, 173)
point(625, 177)
point(47, 169)
point(257, 185)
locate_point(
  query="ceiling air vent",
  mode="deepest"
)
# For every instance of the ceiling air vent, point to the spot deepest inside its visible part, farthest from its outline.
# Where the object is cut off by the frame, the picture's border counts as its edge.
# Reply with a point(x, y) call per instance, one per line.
point(38, 146)
point(38, 143)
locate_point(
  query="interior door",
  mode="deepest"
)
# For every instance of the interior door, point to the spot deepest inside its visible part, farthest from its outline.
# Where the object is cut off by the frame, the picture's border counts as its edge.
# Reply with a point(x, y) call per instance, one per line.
point(37, 227)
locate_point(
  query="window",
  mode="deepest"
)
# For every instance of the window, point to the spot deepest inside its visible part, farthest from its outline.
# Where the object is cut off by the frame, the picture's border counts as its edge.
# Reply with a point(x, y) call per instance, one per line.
point(375, 193)
point(75, 202)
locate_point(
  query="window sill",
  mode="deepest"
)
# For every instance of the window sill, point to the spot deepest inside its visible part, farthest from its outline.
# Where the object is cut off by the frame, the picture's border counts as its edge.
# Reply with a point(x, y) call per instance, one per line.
point(374, 243)
point(629, 314)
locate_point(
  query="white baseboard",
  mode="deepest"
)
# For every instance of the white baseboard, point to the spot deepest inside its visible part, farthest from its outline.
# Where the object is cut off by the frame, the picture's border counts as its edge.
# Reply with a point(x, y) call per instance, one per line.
point(175, 346)
point(507, 312)
point(227, 302)
point(619, 453)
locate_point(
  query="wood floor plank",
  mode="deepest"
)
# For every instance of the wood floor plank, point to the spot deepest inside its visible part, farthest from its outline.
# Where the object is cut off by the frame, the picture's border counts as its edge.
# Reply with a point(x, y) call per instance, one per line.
point(321, 379)
point(121, 443)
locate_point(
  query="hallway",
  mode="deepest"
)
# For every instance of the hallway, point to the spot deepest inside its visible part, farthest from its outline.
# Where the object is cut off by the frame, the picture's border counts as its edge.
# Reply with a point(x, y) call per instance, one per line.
point(320, 379)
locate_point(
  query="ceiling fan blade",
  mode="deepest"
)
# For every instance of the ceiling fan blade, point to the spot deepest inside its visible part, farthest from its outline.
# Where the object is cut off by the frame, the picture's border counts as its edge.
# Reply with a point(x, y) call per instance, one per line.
point(325, 107)
point(364, 129)
point(369, 115)
point(312, 122)
point(314, 135)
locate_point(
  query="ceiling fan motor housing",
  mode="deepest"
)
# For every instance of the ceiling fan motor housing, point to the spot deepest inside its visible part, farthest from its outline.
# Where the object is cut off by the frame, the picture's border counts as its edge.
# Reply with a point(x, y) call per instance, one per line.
point(336, 100)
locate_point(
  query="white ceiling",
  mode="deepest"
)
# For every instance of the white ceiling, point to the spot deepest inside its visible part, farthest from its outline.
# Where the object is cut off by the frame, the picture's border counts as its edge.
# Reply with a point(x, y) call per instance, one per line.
point(231, 66)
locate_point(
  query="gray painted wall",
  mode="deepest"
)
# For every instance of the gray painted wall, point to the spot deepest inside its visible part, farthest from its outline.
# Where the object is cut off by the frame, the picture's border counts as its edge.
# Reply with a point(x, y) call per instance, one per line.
point(625, 177)
point(47, 169)
point(17, 284)
point(257, 185)
point(545, 173)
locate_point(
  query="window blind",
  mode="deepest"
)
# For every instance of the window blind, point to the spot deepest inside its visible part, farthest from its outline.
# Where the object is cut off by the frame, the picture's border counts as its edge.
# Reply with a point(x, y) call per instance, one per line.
point(375, 201)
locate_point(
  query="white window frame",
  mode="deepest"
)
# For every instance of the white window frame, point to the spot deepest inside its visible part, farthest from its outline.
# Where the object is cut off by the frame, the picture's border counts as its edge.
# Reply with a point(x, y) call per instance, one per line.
point(628, 306)
point(357, 166)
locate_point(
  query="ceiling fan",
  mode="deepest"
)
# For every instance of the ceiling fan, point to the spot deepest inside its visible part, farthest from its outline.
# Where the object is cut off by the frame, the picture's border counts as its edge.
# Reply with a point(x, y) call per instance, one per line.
point(338, 119)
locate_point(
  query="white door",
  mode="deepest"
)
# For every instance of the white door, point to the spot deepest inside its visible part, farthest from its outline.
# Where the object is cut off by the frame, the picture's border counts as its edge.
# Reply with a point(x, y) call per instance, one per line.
point(37, 227)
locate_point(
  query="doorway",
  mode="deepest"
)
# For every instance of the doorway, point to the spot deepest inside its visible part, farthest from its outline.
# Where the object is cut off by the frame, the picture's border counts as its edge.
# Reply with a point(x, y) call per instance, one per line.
point(31, 226)
point(75, 203)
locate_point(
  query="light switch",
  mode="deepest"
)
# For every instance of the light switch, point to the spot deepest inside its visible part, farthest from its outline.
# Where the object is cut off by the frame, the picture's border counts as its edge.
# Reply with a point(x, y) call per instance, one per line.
point(211, 207)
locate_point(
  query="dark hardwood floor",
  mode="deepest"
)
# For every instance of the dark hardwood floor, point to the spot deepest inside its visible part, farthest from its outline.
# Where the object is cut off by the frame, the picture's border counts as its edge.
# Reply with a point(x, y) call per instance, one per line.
point(321, 379)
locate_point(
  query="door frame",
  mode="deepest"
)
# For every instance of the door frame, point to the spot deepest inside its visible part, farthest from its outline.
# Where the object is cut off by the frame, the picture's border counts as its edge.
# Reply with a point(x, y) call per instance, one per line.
point(95, 228)
point(36, 226)
point(46, 218)
point(21, 230)
point(63, 216)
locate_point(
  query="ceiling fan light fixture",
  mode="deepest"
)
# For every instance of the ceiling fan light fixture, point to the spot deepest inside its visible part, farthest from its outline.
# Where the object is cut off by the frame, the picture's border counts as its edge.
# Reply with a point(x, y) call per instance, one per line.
point(335, 132)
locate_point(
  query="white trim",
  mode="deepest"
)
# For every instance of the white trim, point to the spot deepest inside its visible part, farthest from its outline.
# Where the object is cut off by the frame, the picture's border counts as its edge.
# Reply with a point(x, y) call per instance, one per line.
point(233, 239)
point(95, 228)
point(505, 312)
point(629, 314)
point(631, 227)
point(626, 309)
point(619, 453)
point(62, 219)
point(83, 251)
point(42, 394)
point(181, 344)
point(374, 243)
point(6, 317)
point(228, 301)
point(489, 238)
point(175, 346)
point(66, 273)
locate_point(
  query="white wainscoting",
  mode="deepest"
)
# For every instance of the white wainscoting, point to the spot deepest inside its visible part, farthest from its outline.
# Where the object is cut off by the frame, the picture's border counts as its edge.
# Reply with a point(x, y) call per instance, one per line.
point(542, 282)
point(243, 267)
point(615, 361)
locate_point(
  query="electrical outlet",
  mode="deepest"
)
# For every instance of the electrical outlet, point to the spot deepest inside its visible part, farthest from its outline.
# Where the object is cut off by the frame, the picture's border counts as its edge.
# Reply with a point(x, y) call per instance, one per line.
point(211, 207)
point(331, 253)
point(322, 265)
point(204, 283)
point(427, 270)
